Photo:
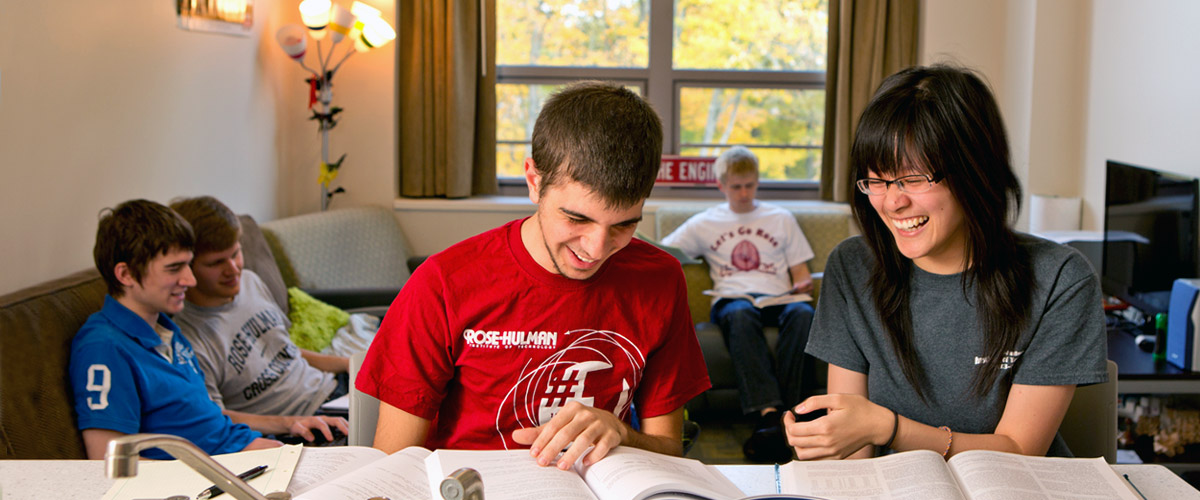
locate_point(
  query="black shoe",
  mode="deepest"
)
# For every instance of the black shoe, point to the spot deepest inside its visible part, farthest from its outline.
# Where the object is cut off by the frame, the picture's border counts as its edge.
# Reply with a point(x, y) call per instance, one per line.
point(767, 444)
point(691, 431)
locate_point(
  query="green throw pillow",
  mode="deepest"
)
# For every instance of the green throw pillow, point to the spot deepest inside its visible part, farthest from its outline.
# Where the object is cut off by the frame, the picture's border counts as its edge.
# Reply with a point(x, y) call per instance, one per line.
point(314, 323)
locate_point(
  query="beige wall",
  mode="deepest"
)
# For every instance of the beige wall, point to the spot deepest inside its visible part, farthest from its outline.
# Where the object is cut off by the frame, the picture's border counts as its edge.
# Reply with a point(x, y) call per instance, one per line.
point(103, 102)
point(1034, 55)
point(1079, 82)
point(1143, 101)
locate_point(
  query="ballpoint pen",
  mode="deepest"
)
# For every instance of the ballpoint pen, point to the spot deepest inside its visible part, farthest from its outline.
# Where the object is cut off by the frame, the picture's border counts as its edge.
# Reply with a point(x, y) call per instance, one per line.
point(213, 490)
point(1135, 488)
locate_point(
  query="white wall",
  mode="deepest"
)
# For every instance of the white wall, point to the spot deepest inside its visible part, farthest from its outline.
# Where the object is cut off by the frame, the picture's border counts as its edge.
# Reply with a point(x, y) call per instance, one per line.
point(1080, 82)
point(1033, 53)
point(103, 102)
point(1144, 96)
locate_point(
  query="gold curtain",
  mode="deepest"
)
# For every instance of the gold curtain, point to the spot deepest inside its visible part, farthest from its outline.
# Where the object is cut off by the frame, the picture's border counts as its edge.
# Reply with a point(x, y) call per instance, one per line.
point(447, 80)
point(868, 40)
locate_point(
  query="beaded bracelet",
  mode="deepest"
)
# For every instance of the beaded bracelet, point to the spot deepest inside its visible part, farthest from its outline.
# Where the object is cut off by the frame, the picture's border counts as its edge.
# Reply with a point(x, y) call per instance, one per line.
point(949, 439)
point(895, 427)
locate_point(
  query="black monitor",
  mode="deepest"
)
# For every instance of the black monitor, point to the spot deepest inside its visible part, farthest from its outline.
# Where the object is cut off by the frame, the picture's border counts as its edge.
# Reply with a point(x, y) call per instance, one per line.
point(1150, 235)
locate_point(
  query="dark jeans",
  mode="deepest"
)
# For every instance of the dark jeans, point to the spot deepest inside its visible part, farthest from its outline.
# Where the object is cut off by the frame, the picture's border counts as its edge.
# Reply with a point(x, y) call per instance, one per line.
point(763, 382)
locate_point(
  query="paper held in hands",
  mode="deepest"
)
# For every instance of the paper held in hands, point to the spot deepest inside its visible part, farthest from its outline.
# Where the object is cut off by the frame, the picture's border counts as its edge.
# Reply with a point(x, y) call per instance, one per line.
point(762, 301)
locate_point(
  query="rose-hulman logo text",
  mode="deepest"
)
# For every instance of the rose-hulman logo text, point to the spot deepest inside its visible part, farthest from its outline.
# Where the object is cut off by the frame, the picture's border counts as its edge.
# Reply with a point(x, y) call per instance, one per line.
point(509, 339)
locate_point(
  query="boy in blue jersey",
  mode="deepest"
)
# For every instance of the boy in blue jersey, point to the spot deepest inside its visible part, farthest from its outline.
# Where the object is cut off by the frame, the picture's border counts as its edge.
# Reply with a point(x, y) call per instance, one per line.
point(131, 369)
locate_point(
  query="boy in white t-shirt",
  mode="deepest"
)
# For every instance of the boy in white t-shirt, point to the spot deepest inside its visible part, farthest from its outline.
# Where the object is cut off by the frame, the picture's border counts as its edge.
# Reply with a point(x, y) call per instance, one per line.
point(755, 248)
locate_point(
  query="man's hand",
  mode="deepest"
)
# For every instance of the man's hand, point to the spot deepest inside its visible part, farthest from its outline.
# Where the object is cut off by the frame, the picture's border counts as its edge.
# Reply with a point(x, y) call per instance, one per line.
point(579, 427)
point(262, 444)
point(326, 362)
point(802, 281)
point(805, 286)
point(304, 426)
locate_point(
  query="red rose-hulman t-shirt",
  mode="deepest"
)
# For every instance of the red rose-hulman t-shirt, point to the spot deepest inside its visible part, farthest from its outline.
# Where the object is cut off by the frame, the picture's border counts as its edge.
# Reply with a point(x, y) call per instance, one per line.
point(483, 341)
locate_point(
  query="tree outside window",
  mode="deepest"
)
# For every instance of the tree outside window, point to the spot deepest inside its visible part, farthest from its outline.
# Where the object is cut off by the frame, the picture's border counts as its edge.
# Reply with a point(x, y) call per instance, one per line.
point(719, 72)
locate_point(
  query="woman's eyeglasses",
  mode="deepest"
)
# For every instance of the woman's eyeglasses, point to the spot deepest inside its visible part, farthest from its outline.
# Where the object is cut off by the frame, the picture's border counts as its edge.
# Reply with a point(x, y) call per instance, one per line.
point(912, 184)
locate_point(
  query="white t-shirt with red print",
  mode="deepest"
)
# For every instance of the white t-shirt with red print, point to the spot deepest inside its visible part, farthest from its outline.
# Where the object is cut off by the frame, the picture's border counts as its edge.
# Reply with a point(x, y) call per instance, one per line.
point(746, 253)
point(483, 341)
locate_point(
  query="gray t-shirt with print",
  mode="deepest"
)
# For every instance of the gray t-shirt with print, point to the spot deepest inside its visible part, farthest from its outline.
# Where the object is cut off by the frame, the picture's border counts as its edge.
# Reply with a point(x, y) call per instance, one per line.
point(250, 362)
point(1064, 342)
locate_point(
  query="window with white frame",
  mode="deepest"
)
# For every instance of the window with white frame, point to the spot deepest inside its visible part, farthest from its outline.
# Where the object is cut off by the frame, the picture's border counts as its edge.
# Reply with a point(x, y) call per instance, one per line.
point(719, 72)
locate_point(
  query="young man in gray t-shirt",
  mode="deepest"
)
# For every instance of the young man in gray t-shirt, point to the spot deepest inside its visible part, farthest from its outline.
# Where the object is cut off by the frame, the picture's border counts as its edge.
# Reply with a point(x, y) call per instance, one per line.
point(252, 369)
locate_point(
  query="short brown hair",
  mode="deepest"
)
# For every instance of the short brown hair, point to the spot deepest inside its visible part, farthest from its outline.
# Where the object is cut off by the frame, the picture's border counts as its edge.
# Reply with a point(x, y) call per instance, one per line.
point(135, 232)
point(735, 161)
point(601, 135)
point(217, 227)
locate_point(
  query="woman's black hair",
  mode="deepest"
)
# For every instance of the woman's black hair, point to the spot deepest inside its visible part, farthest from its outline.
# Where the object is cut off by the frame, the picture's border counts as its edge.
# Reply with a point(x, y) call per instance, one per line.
point(943, 121)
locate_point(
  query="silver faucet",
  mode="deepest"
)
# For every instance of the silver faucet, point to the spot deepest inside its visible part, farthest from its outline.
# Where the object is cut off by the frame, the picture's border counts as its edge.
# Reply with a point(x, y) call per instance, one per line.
point(121, 461)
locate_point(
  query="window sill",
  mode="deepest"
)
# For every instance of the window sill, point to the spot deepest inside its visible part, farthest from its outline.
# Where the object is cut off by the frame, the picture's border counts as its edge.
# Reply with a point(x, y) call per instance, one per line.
point(769, 190)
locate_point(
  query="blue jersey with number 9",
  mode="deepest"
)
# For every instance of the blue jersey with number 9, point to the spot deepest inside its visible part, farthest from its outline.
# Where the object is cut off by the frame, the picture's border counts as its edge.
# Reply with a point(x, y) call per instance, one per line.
point(123, 383)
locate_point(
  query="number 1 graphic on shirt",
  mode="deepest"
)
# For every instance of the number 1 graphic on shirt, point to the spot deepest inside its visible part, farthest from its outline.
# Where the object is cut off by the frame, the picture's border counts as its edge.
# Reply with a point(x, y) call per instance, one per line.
point(103, 386)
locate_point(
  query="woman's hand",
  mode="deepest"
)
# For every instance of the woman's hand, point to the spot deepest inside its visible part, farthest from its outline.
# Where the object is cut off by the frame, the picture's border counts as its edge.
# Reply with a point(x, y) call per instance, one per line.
point(852, 423)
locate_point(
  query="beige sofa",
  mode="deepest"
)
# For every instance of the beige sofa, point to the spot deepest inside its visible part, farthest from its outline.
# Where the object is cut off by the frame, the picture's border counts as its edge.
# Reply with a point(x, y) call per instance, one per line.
point(825, 224)
point(37, 324)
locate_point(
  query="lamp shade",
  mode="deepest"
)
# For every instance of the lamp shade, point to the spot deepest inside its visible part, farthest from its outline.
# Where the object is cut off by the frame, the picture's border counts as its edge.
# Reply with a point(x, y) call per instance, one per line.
point(340, 22)
point(315, 14)
point(375, 33)
point(363, 11)
point(292, 40)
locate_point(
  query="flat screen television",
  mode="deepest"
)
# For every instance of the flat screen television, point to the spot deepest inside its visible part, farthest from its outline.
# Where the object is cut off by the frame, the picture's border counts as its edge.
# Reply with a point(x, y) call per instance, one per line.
point(1150, 235)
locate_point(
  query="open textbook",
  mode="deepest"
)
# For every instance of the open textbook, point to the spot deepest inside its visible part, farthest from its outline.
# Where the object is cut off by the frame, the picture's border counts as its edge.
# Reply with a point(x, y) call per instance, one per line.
point(971, 475)
point(762, 301)
point(355, 473)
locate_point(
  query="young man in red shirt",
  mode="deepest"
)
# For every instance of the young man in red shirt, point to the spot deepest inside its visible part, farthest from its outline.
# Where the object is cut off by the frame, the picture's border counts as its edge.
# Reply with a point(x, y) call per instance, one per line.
point(549, 331)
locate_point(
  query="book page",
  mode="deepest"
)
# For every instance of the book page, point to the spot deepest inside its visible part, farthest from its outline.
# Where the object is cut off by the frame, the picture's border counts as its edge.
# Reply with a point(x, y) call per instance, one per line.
point(162, 479)
point(995, 475)
point(775, 300)
point(319, 465)
point(399, 476)
point(508, 475)
point(630, 473)
point(1156, 481)
point(762, 301)
point(911, 475)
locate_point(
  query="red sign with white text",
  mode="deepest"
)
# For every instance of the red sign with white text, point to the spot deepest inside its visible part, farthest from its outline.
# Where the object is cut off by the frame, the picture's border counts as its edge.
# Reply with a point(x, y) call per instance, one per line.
point(686, 171)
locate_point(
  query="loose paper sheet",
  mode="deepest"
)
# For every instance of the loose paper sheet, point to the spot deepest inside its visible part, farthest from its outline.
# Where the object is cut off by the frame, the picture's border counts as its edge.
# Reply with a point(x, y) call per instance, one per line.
point(161, 479)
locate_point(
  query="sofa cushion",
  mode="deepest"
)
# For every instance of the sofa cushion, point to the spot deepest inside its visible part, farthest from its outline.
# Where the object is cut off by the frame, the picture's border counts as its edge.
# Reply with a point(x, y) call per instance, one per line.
point(37, 324)
point(359, 247)
point(258, 257)
point(314, 323)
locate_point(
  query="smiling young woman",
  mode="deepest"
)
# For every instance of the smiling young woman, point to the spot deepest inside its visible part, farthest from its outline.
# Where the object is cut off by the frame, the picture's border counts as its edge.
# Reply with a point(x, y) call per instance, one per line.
point(968, 334)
